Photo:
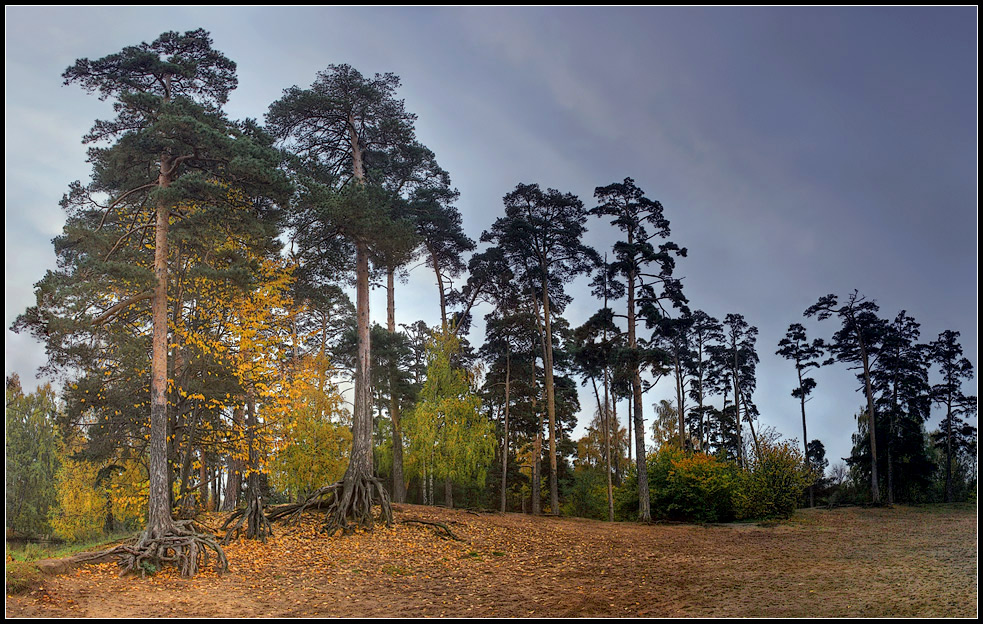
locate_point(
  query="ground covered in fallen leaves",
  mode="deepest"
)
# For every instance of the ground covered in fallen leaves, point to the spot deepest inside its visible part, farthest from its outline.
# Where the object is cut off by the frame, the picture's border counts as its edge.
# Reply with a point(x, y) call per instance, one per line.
point(847, 562)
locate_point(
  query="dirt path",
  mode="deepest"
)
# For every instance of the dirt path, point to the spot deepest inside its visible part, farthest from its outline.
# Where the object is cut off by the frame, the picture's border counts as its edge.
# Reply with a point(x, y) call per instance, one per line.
point(853, 562)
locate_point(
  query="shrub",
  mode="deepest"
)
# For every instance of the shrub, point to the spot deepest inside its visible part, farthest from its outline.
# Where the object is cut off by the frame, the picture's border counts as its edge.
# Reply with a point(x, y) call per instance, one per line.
point(682, 486)
point(699, 488)
point(586, 495)
point(773, 482)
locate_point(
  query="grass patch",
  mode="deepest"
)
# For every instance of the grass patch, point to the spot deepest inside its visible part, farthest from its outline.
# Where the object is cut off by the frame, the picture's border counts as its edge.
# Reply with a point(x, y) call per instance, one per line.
point(395, 570)
point(36, 552)
point(21, 577)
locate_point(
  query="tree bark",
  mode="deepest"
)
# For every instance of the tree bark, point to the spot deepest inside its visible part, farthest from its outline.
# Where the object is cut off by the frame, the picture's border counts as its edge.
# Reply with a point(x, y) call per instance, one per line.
point(607, 447)
point(681, 407)
point(644, 511)
point(234, 482)
point(159, 520)
point(505, 434)
point(805, 436)
point(550, 401)
point(875, 492)
point(399, 483)
point(737, 406)
point(361, 456)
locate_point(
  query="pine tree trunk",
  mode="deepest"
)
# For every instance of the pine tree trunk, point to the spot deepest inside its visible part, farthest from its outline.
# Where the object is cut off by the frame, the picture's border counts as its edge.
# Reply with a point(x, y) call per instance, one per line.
point(681, 407)
point(399, 484)
point(607, 447)
point(360, 463)
point(949, 494)
point(875, 491)
point(234, 482)
point(737, 407)
point(159, 520)
point(644, 511)
point(505, 434)
point(805, 436)
point(440, 292)
point(550, 402)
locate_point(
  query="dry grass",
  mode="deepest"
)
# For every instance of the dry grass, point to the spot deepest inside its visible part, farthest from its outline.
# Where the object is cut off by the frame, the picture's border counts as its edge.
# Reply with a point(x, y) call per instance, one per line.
point(850, 562)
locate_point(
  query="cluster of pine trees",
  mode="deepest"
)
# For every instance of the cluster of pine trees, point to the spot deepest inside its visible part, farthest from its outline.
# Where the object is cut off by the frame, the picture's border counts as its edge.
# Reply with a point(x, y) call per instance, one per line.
point(200, 321)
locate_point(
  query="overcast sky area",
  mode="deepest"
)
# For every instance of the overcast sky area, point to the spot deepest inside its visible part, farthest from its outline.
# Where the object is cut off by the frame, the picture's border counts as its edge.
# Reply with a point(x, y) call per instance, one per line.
point(797, 152)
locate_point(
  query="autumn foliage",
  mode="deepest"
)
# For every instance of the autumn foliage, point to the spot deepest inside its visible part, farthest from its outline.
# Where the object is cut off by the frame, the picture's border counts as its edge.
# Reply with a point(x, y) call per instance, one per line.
point(773, 482)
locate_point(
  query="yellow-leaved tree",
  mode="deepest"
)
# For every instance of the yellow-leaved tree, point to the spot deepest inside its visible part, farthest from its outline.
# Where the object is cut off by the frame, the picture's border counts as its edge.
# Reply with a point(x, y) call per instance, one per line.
point(449, 437)
point(314, 435)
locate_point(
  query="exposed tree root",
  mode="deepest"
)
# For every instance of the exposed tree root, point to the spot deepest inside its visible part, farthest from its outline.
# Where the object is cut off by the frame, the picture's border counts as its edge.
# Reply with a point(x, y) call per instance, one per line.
point(440, 525)
point(293, 511)
point(249, 521)
point(348, 505)
point(181, 545)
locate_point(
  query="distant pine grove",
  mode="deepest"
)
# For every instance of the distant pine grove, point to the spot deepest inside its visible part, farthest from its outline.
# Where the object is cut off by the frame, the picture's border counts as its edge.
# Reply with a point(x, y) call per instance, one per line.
point(213, 359)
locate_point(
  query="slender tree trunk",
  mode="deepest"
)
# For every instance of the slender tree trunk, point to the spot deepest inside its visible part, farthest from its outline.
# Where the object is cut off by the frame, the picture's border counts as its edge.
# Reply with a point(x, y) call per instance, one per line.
point(630, 426)
point(737, 408)
point(949, 494)
point(399, 483)
point(603, 414)
point(202, 480)
point(875, 491)
point(805, 436)
point(236, 465)
point(187, 504)
point(615, 425)
point(448, 492)
point(505, 435)
point(890, 438)
point(704, 440)
point(550, 402)
point(644, 511)
point(537, 453)
point(681, 406)
point(607, 447)
point(440, 292)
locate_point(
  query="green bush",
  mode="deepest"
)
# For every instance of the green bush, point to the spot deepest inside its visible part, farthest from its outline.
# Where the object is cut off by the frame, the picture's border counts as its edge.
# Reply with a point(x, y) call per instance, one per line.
point(772, 484)
point(586, 495)
point(698, 488)
point(690, 487)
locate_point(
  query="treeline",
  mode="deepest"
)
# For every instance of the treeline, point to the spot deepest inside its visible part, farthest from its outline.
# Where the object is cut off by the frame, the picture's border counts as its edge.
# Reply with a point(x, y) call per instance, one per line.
point(208, 366)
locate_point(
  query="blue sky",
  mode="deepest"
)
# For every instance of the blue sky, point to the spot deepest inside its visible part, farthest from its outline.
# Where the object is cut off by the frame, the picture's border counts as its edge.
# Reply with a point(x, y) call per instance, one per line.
point(797, 151)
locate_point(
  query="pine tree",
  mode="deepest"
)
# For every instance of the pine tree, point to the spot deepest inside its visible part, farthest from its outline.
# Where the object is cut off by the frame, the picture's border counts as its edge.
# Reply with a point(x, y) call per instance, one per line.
point(346, 131)
point(946, 353)
point(857, 342)
point(650, 287)
point(175, 168)
point(796, 347)
point(540, 241)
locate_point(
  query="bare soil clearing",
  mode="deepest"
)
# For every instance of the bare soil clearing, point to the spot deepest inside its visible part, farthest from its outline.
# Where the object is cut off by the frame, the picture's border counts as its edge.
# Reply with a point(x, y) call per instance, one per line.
point(849, 562)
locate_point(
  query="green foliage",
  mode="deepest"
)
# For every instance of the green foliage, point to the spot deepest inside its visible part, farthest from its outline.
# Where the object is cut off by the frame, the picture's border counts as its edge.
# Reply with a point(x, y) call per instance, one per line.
point(695, 487)
point(448, 434)
point(31, 445)
point(586, 495)
point(698, 487)
point(773, 483)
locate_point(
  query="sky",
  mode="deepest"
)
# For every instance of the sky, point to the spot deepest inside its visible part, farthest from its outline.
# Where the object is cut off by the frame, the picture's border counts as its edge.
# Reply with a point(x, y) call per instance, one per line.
point(797, 151)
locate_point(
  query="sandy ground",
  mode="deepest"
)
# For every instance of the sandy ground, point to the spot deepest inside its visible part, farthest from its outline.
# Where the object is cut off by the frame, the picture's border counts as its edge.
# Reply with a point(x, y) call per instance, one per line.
point(849, 562)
